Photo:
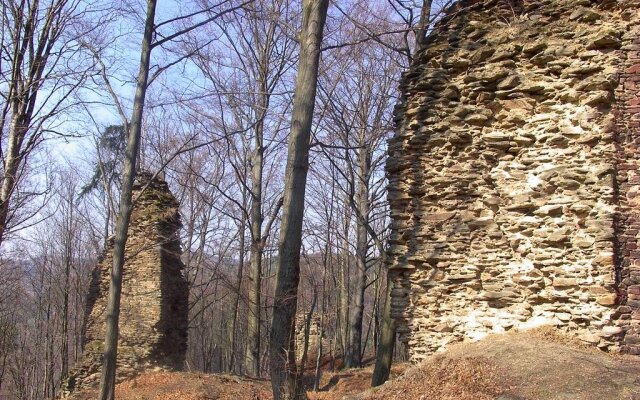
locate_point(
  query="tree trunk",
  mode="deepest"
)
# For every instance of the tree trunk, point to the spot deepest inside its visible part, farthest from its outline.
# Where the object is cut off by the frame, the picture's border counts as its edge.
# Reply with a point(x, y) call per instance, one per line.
point(422, 28)
point(233, 365)
point(345, 285)
point(108, 377)
point(384, 354)
point(284, 378)
point(257, 246)
point(64, 368)
point(12, 161)
point(352, 356)
point(354, 352)
point(327, 257)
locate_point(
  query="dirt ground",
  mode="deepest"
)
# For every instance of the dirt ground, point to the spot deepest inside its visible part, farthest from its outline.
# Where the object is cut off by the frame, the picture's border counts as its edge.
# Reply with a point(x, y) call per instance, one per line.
point(187, 386)
point(534, 365)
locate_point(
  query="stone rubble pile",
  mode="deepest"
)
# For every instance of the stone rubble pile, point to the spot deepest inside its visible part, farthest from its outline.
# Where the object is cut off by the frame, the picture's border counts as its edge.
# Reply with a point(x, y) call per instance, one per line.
point(513, 175)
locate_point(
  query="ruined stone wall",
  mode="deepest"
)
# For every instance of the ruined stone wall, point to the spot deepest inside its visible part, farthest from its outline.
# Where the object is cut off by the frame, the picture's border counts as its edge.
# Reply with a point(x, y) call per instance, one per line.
point(154, 304)
point(513, 175)
point(627, 112)
point(314, 336)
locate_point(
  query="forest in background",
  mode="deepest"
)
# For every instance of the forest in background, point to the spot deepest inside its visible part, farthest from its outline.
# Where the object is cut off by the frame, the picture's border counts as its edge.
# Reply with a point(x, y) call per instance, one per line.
point(215, 120)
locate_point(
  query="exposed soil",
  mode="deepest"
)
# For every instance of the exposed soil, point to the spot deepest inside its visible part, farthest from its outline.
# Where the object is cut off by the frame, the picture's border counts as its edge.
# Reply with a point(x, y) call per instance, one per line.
point(340, 384)
point(533, 365)
point(187, 386)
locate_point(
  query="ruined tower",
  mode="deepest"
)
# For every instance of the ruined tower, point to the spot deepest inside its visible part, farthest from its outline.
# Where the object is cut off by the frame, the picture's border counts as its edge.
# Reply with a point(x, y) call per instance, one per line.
point(154, 304)
point(514, 175)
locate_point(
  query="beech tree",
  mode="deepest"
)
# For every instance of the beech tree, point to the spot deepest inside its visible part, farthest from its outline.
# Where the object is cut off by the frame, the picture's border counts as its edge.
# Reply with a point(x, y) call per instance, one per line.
point(41, 68)
point(257, 41)
point(44, 290)
point(358, 118)
point(285, 380)
point(108, 377)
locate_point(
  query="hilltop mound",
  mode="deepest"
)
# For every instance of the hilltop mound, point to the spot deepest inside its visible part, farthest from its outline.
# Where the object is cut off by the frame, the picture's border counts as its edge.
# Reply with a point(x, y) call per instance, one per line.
point(535, 365)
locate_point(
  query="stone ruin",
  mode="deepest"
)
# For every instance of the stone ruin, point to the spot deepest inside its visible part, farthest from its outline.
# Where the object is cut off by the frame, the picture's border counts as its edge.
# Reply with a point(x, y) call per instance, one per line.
point(313, 339)
point(154, 303)
point(514, 175)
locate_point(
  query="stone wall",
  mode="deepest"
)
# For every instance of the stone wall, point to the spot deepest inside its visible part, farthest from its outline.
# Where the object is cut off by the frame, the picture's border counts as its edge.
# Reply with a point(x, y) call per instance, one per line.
point(513, 175)
point(154, 304)
point(314, 336)
point(627, 112)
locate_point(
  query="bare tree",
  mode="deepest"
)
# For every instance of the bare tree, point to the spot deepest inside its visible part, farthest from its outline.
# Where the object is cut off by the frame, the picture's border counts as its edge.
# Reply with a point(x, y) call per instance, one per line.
point(41, 69)
point(356, 121)
point(42, 303)
point(263, 46)
point(257, 40)
point(107, 380)
point(108, 377)
point(285, 380)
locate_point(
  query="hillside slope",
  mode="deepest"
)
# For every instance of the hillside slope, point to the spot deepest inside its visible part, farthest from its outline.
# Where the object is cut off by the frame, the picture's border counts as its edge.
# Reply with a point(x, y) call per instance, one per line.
point(533, 365)
point(536, 365)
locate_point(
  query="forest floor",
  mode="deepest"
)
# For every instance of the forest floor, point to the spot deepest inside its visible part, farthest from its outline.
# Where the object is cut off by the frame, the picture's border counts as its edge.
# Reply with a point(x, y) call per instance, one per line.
point(517, 366)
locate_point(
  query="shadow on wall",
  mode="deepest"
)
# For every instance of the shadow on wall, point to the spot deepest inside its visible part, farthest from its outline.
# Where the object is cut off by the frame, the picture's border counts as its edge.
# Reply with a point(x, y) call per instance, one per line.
point(171, 350)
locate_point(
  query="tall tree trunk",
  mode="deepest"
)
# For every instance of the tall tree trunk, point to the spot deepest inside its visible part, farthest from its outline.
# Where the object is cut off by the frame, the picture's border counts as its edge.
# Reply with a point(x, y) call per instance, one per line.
point(253, 322)
point(345, 284)
point(67, 248)
point(284, 377)
point(233, 364)
point(257, 246)
point(108, 378)
point(64, 368)
point(354, 351)
point(326, 260)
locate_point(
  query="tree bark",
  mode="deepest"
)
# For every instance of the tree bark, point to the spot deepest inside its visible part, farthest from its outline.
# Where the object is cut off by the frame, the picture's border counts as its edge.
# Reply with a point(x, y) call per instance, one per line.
point(384, 354)
point(108, 377)
point(12, 162)
point(233, 364)
point(422, 28)
point(345, 284)
point(64, 368)
point(353, 357)
point(326, 258)
point(284, 377)
point(257, 243)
